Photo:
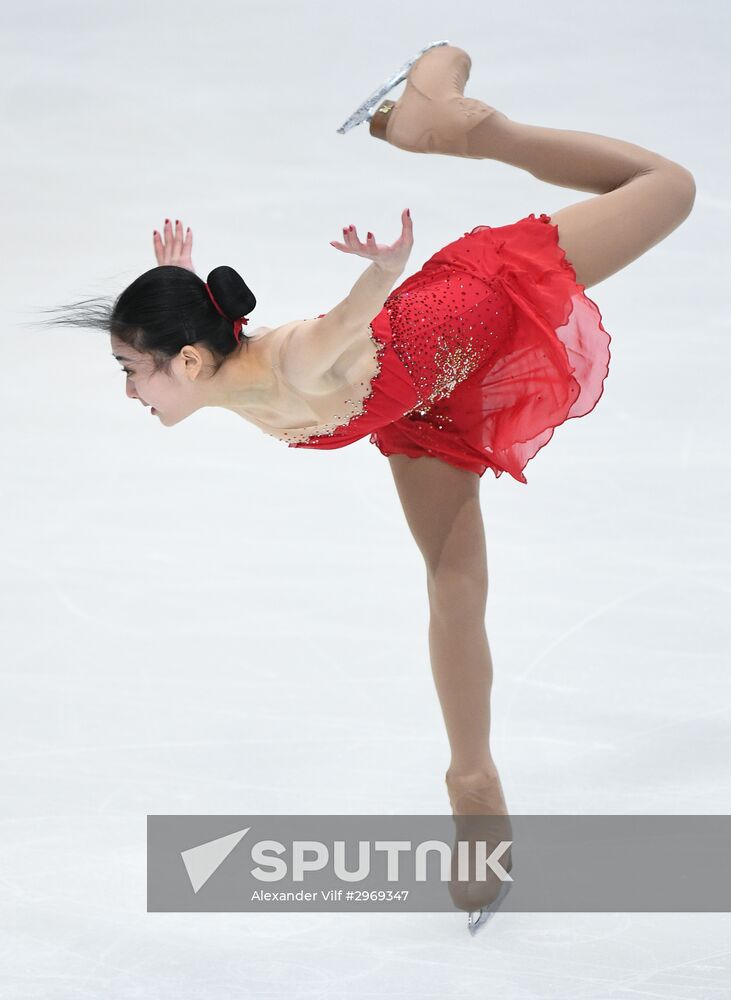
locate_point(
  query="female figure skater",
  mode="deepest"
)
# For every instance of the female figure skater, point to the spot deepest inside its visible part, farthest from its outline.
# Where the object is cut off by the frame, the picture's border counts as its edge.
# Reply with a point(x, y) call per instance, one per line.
point(467, 365)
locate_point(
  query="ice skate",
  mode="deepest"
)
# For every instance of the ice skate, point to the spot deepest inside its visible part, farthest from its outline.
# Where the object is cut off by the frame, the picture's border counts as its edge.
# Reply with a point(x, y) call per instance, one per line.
point(478, 818)
point(433, 115)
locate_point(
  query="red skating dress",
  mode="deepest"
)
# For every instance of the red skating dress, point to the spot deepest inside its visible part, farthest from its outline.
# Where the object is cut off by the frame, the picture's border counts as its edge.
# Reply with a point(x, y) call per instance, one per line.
point(483, 352)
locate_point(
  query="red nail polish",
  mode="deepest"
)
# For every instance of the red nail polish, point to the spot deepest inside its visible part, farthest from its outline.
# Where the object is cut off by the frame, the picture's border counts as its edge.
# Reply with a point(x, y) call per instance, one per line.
point(167, 220)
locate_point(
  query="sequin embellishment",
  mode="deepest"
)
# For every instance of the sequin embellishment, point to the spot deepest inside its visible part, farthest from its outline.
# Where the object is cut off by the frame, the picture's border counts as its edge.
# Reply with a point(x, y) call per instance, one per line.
point(441, 343)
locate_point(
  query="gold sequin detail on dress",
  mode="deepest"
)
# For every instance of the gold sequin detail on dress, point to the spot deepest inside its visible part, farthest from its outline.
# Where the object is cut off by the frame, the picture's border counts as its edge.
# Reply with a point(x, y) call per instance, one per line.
point(447, 329)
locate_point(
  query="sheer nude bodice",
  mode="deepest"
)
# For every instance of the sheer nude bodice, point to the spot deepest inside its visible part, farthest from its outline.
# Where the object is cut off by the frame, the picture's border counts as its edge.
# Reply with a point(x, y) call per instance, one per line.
point(292, 412)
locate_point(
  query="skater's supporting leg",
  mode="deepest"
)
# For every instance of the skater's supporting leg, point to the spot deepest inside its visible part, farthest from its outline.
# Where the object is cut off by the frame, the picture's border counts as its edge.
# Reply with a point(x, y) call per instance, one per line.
point(442, 509)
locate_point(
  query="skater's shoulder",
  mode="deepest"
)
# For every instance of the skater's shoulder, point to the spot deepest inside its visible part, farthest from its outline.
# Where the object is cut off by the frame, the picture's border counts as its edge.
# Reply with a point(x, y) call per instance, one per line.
point(299, 353)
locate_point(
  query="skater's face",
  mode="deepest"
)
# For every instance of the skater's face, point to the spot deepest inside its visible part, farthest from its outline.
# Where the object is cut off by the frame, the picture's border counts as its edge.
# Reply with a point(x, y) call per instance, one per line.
point(172, 397)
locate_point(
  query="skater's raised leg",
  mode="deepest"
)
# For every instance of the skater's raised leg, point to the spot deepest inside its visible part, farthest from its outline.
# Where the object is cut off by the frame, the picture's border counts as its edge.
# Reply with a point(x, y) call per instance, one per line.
point(642, 195)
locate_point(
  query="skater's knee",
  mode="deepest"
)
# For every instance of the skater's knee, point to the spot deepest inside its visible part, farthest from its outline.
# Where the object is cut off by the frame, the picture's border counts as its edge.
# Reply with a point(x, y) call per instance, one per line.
point(675, 181)
point(458, 597)
point(677, 191)
point(686, 183)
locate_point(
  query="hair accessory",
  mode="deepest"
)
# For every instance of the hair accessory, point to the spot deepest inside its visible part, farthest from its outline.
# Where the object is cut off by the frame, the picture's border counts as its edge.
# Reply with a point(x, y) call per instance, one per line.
point(238, 323)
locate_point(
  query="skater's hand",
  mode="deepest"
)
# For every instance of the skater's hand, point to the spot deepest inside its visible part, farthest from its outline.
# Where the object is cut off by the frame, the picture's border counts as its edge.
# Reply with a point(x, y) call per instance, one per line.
point(390, 258)
point(173, 247)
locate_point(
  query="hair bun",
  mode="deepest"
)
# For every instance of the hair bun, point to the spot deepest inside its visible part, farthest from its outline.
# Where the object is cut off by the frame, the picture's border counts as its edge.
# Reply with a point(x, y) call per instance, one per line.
point(231, 292)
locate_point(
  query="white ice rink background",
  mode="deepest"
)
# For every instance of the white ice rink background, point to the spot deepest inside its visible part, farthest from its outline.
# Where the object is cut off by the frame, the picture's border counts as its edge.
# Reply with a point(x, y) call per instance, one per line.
point(198, 619)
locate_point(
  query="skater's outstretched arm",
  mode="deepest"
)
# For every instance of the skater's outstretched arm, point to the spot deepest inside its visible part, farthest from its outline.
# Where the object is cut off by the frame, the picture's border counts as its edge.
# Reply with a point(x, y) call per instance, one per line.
point(315, 347)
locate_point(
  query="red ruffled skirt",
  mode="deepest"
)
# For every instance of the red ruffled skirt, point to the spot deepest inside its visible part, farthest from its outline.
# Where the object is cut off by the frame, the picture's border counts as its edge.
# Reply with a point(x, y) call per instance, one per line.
point(488, 348)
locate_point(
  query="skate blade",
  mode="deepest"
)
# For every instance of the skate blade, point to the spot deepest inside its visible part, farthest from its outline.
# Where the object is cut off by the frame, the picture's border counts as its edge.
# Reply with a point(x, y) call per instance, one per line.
point(484, 914)
point(367, 108)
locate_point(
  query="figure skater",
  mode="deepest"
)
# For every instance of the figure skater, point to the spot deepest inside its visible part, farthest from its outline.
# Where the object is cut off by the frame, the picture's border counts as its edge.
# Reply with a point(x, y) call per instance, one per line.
point(468, 364)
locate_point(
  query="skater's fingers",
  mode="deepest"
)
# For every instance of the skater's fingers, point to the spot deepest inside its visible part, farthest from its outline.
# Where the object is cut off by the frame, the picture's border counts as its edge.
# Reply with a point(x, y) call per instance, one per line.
point(407, 233)
point(351, 238)
point(162, 236)
point(157, 244)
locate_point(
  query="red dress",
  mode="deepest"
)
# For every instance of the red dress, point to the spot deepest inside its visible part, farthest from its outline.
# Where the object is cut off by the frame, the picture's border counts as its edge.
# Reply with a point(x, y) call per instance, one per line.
point(483, 352)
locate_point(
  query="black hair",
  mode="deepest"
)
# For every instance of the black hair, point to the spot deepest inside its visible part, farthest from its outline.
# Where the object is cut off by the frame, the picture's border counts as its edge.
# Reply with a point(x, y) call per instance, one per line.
point(165, 309)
